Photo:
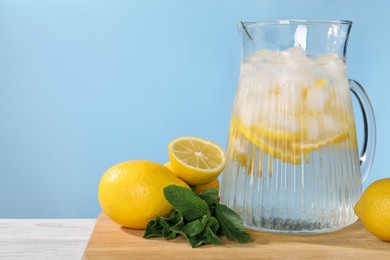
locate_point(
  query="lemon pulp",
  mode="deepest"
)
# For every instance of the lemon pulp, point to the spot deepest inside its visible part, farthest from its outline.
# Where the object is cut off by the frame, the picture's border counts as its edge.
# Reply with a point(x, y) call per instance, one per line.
point(195, 160)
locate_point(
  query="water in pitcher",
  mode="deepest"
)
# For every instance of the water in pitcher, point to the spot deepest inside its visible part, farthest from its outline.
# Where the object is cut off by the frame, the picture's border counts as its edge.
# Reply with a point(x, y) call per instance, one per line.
point(293, 164)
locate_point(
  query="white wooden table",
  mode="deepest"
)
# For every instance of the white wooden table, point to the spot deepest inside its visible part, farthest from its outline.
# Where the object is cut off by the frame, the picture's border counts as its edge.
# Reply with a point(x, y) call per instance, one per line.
point(44, 238)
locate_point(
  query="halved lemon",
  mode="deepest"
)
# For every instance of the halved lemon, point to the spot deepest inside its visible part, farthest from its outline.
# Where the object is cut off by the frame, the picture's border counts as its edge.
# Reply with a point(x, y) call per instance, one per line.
point(195, 160)
point(199, 188)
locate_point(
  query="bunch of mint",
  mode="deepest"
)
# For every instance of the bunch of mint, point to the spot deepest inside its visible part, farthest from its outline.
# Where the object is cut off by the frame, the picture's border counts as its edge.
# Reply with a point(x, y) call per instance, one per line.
point(199, 218)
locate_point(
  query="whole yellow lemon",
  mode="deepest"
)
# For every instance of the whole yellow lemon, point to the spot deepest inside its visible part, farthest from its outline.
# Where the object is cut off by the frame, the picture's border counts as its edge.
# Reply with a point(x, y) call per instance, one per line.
point(212, 184)
point(131, 193)
point(373, 209)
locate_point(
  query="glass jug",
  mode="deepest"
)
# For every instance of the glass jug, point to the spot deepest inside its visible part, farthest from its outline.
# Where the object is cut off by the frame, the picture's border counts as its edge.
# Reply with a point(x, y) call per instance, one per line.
point(293, 162)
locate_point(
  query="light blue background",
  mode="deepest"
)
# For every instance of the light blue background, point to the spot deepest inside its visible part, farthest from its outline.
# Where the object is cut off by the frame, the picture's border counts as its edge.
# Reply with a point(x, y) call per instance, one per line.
point(88, 84)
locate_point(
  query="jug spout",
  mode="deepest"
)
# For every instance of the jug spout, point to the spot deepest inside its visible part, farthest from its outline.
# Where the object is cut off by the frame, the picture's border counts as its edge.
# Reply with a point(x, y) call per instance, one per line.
point(249, 32)
point(245, 30)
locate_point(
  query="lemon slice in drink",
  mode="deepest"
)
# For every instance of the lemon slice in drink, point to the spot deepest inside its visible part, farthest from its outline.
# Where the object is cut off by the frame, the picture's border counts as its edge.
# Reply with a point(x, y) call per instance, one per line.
point(275, 133)
point(315, 145)
point(195, 160)
point(290, 149)
point(278, 149)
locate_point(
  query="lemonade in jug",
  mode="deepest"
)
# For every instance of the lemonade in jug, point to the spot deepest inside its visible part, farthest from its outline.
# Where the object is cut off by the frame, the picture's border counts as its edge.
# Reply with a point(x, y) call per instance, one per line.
point(293, 163)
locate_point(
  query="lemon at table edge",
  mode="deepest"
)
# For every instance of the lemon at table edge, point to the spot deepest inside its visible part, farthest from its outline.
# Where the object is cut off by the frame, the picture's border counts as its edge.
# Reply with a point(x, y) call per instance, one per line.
point(373, 209)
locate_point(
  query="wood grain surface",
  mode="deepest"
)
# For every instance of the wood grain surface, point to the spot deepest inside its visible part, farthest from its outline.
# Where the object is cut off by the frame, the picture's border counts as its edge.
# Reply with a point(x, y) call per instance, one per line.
point(110, 241)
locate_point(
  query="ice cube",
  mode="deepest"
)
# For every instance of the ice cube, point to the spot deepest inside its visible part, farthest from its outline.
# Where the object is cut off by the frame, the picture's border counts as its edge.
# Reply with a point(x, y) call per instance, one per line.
point(313, 128)
point(248, 112)
point(266, 56)
point(330, 124)
point(246, 69)
point(333, 65)
point(316, 99)
point(241, 145)
point(290, 98)
point(298, 54)
point(282, 122)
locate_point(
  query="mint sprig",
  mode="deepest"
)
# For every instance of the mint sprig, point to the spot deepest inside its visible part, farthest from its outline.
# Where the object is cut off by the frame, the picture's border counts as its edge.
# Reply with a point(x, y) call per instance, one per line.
point(199, 218)
point(231, 224)
point(186, 202)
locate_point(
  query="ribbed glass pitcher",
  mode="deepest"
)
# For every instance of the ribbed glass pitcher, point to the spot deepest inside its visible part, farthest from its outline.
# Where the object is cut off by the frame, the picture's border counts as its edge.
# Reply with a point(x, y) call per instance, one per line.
point(293, 161)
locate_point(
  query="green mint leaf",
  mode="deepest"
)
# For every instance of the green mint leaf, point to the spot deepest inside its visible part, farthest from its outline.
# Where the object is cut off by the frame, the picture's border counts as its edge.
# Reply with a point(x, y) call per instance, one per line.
point(193, 228)
point(210, 196)
point(178, 222)
point(200, 231)
point(203, 233)
point(153, 229)
point(207, 236)
point(186, 202)
point(164, 227)
point(200, 219)
point(211, 237)
point(205, 219)
point(231, 224)
point(159, 228)
point(197, 241)
point(210, 232)
point(214, 225)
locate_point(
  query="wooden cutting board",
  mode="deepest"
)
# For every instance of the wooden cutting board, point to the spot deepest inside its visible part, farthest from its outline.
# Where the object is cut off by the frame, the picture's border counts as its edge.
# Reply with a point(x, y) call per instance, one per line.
point(110, 241)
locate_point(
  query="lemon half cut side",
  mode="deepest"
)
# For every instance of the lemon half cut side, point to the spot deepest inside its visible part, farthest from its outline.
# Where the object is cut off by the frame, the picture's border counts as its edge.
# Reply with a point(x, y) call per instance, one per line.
point(195, 160)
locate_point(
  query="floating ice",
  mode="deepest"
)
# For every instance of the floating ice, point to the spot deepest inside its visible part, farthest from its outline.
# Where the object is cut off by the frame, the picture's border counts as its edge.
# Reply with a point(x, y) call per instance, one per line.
point(331, 124)
point(288, 91)
point(316, 99)
point(313, 128)
point(333, 66)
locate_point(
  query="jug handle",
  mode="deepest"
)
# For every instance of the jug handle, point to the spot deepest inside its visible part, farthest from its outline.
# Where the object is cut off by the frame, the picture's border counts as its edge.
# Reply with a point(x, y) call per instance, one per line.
point(368, 150)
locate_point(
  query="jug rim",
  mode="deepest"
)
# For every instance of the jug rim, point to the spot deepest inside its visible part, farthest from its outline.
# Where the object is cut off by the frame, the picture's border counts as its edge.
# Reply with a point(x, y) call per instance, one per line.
point(296, 21)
